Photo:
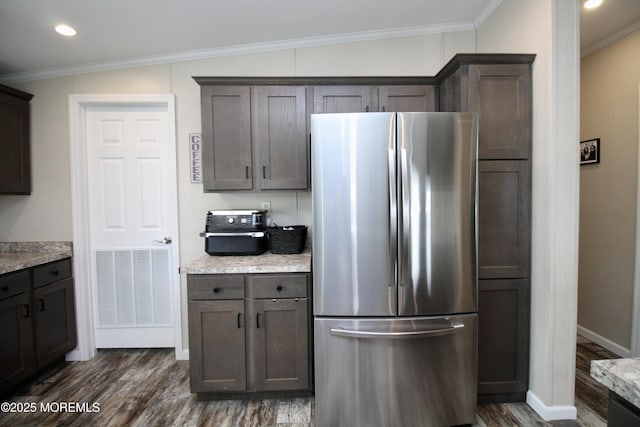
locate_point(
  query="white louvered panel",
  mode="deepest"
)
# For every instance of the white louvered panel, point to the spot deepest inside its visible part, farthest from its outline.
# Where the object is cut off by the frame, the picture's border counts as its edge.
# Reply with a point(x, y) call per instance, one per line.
point(143, 287)
point(123, 267)
point(112, 182)
point(106, 290)
point(161, 286)
point(148, 131)
point(150, 193)
point(111, 132)
point(133, 288)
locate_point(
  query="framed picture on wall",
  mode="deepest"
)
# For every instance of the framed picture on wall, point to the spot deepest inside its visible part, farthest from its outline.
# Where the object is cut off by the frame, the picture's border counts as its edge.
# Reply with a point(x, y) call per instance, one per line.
point(590, 151)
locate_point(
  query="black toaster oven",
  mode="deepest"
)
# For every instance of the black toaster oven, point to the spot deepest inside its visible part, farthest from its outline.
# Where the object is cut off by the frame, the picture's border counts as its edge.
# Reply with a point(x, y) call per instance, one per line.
point(235, 232)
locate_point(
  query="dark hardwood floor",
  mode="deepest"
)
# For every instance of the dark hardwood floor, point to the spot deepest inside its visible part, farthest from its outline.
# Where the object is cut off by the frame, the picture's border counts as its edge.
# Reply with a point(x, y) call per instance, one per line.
point(151, 388)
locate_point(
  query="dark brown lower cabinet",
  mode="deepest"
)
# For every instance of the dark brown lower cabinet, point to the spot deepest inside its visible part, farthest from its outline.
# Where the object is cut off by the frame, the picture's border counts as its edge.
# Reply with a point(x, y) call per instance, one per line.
point(622, 413)
point(37, 320)
point(249, 334)
point(503, 340)
point(54, 316)
point(280, 344)
point(17, 352)
point(216, 346)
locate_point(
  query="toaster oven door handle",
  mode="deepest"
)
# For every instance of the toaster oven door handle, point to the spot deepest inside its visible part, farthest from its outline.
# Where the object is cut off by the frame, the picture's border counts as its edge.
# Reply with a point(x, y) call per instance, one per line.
point(255, 234)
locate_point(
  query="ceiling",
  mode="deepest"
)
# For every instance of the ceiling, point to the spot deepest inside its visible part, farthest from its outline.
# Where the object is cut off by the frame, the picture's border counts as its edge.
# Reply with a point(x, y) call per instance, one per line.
point(119, 33)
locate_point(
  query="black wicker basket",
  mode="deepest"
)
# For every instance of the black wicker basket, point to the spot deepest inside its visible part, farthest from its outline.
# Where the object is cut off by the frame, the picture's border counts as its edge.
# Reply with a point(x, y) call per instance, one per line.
point(287, 240)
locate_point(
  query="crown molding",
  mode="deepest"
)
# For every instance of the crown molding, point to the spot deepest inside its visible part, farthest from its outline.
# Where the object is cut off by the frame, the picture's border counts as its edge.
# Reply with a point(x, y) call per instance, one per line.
point(237, 50)
point(612, 38)
point(487, 12)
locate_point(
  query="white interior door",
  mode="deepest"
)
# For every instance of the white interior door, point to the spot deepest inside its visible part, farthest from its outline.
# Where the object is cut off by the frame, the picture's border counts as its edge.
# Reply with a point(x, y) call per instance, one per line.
point(130, 167)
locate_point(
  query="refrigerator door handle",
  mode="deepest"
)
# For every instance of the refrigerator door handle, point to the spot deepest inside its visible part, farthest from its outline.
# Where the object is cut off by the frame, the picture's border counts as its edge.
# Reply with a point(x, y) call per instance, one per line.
point(405, 217)
point(350, 333)
point(393, 215)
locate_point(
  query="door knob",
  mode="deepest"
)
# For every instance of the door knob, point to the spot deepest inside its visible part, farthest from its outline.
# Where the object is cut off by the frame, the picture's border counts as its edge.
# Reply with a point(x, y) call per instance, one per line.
point(164, 241)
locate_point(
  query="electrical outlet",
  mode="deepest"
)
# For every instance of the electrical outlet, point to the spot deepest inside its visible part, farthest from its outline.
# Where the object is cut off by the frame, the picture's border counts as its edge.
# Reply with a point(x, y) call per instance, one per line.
point(266, 206)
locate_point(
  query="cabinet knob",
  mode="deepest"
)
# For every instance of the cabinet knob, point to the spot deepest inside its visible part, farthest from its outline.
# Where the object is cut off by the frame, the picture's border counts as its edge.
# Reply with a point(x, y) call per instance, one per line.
point(4, 288)
point(279, 288)
point(54, 272)
point(216, 290)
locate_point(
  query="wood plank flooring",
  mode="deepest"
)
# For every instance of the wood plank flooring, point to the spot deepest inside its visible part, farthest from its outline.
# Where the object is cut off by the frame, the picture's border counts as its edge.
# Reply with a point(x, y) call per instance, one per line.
point(150, 388)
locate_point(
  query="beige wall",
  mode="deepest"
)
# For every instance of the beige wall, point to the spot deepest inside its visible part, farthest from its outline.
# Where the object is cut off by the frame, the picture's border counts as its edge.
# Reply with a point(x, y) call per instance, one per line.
point(46, 214)
point(610, 78)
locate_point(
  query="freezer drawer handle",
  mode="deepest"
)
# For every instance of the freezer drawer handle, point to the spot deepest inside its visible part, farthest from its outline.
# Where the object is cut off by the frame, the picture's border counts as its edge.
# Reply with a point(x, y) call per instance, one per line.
point(454, 328)
point(255, 234)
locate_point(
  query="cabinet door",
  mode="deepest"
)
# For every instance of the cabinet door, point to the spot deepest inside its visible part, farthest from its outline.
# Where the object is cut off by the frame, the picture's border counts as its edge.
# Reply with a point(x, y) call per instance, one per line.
point(280, 137)
point(217, 345)
point(226, 138)
point(344, 99)
point(55, 321)
point(17, 354)
point(503, 340)
point(279, 344)
point(504, 218)
point(501, 94)
point(15, 161)
point(407, 98)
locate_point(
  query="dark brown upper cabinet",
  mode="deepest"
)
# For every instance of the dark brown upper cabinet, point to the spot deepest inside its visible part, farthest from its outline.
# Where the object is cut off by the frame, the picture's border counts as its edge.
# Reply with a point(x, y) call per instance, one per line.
point(343, 99)
point(15, 161)
point(407, 98)
point(367, 98)
point(500, 93)
point(226, 138)
point(254, 138)
point(279, 126)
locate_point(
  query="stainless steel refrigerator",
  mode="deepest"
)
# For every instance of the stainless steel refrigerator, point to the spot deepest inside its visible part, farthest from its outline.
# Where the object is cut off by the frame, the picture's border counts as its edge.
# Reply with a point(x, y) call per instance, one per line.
point(394, 268)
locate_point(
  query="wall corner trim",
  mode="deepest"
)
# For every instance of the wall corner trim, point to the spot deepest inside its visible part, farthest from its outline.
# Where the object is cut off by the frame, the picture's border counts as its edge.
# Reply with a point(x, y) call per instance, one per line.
point(550, 413)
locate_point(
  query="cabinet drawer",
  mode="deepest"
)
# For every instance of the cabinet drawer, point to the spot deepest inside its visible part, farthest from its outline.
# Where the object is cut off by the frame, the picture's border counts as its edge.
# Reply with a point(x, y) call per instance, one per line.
point(206, 287)
point(278, 286)
point(14, 283)
point(51, 272)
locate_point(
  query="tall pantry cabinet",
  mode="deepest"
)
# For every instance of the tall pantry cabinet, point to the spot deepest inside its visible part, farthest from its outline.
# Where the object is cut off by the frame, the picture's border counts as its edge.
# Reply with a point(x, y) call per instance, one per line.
point(498, 88)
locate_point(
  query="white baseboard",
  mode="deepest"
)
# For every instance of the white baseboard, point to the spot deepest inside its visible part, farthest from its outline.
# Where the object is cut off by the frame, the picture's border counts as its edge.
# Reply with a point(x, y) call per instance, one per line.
point(73, 356)
point(182, 354)
point(550, 413)
point(604, 342)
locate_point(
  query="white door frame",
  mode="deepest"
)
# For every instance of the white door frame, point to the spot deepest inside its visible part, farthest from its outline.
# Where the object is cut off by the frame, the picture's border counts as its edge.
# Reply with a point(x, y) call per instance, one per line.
point(82, 272)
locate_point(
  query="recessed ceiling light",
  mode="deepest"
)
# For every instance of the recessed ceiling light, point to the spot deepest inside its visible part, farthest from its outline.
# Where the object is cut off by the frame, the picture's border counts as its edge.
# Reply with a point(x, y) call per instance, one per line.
point(592, 4)
point(65, 30)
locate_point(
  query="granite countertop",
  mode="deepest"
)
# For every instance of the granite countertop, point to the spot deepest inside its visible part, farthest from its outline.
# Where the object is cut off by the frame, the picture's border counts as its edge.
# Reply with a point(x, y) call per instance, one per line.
point(265, 263)
point(16, 256)
point(622, 376)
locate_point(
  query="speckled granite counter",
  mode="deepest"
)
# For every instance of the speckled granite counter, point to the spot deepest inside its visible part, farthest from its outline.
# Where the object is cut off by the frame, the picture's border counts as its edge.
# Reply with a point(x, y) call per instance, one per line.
point(621, 376)
point(265, 263)
point(16, 256)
